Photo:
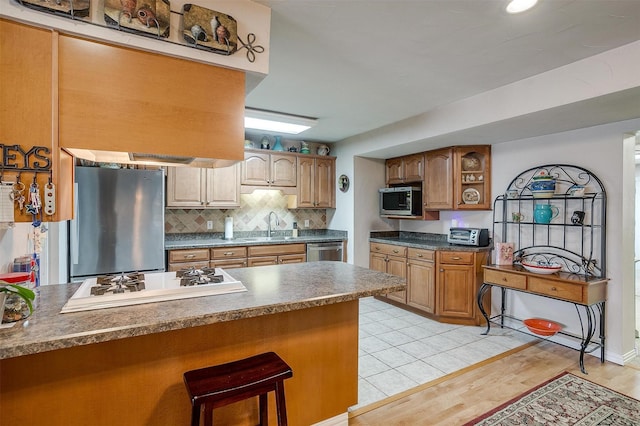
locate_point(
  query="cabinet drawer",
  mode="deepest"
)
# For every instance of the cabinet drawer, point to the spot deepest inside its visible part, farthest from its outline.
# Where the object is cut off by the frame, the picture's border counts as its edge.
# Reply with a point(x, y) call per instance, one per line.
point(228, 252)
point(505, 279)
point(228, 263)
point(556, 289)
point(186, 265)
point(420, 254)
point(456, 257)
point(388, 249)
point(276, 250)
point(191, 255)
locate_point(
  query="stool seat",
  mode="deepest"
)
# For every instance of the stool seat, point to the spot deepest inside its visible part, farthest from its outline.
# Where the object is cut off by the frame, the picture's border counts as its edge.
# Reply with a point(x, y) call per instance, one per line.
point(225, 384)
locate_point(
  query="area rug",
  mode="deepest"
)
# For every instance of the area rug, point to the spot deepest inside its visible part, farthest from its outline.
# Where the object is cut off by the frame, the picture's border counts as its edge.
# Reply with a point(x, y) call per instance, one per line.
point(565, 400)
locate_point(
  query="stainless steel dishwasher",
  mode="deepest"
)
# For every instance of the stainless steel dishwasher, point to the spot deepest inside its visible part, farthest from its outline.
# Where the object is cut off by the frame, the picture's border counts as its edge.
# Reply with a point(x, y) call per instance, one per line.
point(324, 251)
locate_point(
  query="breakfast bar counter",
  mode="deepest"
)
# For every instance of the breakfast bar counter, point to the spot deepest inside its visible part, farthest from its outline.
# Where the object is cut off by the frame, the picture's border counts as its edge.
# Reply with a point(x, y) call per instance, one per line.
point(124, 365)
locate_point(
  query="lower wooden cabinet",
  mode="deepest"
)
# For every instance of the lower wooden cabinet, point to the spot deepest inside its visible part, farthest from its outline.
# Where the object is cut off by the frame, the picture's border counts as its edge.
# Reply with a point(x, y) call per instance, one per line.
point(421, 283)
point(458, 279)
point(391, 259)
point(228, 257)
point(440, 284)
point(276, 254)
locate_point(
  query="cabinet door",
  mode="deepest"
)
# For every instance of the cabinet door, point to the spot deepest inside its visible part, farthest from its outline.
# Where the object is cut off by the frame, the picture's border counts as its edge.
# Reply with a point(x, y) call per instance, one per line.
point(455, 289)
point(414, 168)
point(378, 262)
point(395, 172)
point(283, 170)
point(438, 180)
point(256, 169)
point(325, 183)
point(223, 187)
point(185, 187)
point(306, 182)
point(472, 177)
point(29, 112)
point(421, 285)
point(397, 266)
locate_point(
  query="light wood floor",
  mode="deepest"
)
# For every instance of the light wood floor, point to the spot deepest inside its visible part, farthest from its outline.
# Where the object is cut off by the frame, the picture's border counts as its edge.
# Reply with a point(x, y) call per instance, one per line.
point(458, 398)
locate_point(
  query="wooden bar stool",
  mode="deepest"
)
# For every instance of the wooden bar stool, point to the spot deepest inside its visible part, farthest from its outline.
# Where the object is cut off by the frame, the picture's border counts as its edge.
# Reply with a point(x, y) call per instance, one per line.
point(225, 384)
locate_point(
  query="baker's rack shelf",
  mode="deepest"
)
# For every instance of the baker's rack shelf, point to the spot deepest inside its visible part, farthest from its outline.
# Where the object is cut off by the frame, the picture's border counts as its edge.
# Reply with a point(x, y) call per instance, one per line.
point(575, 238)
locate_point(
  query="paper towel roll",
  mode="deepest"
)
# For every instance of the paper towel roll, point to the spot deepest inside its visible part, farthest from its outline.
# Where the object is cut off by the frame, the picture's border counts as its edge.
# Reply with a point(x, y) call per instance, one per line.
point(228, 228)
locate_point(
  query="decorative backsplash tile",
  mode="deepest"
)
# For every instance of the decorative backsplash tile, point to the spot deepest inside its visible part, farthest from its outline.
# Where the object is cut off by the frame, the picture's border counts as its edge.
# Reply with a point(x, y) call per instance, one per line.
point(251, 216)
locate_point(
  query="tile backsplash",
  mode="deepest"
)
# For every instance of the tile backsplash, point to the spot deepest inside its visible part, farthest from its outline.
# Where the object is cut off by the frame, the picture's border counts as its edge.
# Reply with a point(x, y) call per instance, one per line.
point(252, 215)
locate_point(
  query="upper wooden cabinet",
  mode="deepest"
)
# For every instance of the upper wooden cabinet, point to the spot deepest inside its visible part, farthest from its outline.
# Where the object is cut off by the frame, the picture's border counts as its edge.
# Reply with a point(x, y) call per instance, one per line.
point(472, 177)
point(438, 180)
point(458, 178)
point(405, 169)
point(269, 169)
point(124, 100)
point(28, 114)
point(191, 187)
point(316, 183)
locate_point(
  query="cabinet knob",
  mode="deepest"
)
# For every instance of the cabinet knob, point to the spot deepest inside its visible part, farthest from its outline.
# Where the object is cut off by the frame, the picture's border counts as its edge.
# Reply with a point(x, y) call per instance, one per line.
point(441, 270)
point(228, 253)
point(377, 248)
point(456, 258)
point(419, 255)
point(395, 251)
point(554, 289)
point(504, 279)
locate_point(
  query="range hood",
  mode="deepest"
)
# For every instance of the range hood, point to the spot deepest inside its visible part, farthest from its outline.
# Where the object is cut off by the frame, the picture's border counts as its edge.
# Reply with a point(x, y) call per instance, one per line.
point(148, 159)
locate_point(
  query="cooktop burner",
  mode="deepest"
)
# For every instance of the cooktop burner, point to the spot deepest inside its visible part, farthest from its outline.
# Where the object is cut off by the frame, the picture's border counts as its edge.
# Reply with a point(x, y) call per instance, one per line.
point(117, 284)
point(200, 276)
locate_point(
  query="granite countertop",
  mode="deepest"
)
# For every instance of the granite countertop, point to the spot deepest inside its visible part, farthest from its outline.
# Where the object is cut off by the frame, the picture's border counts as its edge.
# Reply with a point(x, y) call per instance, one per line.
point(422, 241)
point(187, 241)
point(271, 289)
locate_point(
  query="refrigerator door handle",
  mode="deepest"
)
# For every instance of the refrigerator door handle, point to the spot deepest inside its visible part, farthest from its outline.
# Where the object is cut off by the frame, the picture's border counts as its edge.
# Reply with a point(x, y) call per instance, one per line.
point(74, 225)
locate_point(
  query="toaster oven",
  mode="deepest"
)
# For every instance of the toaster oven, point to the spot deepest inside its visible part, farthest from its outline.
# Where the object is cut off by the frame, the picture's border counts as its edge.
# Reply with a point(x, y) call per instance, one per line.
point(469, 236)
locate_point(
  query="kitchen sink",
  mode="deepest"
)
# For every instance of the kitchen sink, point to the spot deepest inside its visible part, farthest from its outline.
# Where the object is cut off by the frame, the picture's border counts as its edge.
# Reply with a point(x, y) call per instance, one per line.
point(256, 239)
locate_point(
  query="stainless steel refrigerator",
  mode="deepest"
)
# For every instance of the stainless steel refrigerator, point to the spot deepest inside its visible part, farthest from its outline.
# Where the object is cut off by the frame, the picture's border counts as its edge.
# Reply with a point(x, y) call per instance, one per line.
point(119, 222)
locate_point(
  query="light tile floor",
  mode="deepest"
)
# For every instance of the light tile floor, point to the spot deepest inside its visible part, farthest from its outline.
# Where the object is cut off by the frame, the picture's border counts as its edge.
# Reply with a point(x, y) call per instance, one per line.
point(400, 350)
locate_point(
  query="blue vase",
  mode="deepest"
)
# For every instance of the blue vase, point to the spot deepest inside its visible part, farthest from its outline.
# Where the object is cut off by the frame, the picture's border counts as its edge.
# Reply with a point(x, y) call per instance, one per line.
point(277, 146)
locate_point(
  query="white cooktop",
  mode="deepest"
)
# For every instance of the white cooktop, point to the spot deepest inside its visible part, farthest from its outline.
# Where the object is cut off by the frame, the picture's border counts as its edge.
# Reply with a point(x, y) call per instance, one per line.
point(159, 287)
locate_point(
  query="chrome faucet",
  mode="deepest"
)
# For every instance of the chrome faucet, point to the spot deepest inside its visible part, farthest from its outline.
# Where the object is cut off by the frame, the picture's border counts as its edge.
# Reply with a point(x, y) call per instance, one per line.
point(269, 223)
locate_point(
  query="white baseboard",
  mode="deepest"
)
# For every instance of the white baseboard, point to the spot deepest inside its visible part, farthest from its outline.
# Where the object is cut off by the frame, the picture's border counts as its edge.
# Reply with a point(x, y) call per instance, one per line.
point(339, 420)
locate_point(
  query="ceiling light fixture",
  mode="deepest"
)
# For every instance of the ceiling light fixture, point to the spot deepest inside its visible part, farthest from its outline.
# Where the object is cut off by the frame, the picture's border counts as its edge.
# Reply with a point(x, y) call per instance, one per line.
point(517, 6)
point(276, 122)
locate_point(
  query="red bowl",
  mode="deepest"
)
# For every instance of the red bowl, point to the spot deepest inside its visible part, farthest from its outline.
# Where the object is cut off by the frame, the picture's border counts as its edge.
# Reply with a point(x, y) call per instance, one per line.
point(542, 327)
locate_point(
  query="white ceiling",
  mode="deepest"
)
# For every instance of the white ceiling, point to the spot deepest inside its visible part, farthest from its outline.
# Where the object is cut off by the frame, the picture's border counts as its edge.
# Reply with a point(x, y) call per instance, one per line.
point(359, 65)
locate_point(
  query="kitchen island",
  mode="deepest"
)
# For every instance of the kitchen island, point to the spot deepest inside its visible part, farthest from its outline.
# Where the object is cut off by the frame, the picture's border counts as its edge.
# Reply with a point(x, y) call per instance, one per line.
point(124, 365)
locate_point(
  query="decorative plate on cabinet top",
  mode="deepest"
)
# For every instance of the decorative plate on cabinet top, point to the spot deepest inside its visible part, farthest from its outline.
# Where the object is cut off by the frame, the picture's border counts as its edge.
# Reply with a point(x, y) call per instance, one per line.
point(471, 196)
point(542, 267)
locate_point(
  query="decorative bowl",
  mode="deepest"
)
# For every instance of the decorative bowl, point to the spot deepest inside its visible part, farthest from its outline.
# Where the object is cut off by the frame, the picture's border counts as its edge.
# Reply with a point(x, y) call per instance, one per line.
point(543, 193)
point(542, 267)
point(542, 327)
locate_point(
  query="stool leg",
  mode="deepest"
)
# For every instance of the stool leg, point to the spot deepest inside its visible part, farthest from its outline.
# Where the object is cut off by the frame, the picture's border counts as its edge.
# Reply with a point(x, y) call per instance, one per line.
point(195, 415)
point(281, 406)
point(264, 411)
point(208, 414)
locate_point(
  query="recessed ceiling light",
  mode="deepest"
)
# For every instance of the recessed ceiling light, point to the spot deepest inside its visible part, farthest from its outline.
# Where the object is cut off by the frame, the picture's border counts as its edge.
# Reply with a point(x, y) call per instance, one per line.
point(517, 6)
point(276, 122)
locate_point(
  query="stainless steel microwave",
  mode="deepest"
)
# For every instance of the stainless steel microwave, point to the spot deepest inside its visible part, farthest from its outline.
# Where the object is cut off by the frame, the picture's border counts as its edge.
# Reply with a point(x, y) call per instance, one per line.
point(469, 236)
point(401, 201)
